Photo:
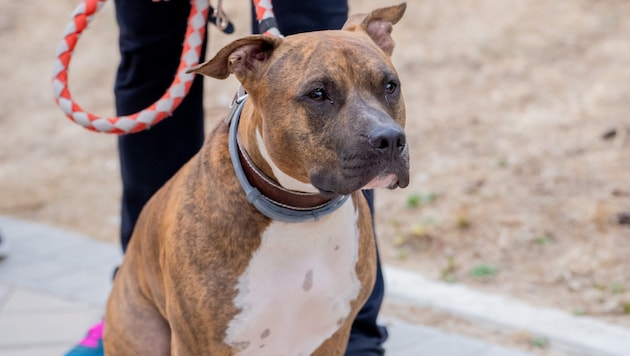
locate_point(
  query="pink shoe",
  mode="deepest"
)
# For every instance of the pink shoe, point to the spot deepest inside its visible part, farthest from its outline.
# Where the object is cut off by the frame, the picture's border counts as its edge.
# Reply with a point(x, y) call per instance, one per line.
point(92, 344)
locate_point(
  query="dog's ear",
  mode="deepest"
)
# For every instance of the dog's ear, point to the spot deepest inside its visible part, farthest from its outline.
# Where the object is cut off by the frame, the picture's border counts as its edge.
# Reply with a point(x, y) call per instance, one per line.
point(242, 57)
point(378, 25)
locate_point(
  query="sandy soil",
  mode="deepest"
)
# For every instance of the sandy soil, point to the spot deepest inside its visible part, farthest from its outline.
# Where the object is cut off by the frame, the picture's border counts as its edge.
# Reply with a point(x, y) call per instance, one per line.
point(518, 116)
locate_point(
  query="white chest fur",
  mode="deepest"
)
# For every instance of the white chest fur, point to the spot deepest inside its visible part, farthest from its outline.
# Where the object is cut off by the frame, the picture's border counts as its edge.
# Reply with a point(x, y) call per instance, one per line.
point(298, 286)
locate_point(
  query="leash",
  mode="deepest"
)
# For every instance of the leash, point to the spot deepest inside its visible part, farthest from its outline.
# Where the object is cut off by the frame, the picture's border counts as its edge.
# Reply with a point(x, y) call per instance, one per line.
point(267, 24)
point(200, 13)
point(81, 17)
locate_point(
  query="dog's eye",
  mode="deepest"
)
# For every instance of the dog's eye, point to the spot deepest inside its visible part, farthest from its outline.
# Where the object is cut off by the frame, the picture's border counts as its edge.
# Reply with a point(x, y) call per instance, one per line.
point(318, 94)
point(390, 88)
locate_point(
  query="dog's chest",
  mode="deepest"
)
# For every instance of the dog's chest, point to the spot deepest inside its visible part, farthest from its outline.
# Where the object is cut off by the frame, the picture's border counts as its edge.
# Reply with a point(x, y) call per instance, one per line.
point(297, 289)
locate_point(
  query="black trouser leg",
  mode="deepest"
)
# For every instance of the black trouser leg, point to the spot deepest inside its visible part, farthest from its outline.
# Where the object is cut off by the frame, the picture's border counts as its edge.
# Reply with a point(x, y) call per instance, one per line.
point(151, 37)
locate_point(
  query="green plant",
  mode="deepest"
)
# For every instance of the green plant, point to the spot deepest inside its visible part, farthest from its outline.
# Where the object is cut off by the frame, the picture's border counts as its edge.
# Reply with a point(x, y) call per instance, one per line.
point(542, 240)
point(400, 240)
point(415, 200)
point(447, 274)
point(617, 288)
point(540, 342)
point(579, 312)
point(463, 222)
point(414, 237)
point(484, 271)
point(418, 230)
point(402, 253)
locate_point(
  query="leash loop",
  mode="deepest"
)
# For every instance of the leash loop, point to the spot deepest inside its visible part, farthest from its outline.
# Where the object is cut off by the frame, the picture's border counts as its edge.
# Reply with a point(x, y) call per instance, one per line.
point(142, 120)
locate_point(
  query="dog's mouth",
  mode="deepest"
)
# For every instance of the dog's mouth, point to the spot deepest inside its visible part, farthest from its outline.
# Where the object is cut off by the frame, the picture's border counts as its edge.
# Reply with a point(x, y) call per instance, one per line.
point(327, 193)
point(389, 175)
point(364, 165)
point(384, 180)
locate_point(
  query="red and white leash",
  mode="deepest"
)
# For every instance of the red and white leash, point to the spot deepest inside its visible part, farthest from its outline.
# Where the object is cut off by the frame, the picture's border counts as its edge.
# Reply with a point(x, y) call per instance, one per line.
point(164, 107)
point(267, 24)
point(81, 17)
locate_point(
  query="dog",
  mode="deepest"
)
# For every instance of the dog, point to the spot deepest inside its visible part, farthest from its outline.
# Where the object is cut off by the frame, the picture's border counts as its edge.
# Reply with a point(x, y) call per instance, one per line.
point(263, 242)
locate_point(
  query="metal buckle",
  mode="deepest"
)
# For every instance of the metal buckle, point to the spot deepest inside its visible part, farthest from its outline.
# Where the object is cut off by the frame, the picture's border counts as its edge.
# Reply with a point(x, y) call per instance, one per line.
point(220, 19)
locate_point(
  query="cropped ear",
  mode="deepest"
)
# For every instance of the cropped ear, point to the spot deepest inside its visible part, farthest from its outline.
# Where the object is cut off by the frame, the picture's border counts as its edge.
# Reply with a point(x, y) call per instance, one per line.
point(242, 57)
point(378, 25)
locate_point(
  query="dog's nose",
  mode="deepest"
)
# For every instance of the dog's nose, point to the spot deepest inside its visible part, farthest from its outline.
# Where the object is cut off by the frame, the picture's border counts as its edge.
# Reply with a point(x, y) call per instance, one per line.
point(388, 140)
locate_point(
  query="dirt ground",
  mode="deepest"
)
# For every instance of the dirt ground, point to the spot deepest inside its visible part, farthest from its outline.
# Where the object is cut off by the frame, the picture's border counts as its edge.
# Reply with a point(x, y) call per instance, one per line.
point(518, 119)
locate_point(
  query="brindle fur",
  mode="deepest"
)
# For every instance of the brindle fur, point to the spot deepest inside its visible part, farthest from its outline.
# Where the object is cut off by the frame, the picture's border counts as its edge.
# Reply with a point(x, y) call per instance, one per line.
point(173, 294)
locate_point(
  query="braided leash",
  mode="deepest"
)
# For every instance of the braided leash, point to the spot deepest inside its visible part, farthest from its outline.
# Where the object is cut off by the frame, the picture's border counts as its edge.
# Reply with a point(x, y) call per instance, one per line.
point(81, 17)
point(267, 24)
point(84, 13)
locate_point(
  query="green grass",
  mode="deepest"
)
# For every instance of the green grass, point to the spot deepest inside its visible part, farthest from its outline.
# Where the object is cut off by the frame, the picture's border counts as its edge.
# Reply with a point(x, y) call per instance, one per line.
point(540, 342)
point(484, 271)
point(542, 240)
point(617, 288)
point(416, 200)
point(448, 273)
point(463, 222)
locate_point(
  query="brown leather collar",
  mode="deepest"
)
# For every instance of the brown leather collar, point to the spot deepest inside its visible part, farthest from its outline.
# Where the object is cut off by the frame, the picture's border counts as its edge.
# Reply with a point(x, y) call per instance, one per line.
point(273, 191)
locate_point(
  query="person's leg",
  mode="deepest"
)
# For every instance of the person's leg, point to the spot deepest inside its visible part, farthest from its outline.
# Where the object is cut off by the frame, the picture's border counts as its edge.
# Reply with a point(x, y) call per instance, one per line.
point(305, 16)
point(366, 336)
point(151, 38)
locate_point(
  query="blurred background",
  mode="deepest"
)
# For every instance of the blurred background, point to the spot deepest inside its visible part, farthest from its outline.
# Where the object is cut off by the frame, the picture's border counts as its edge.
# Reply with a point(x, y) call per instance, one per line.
point(518, 118)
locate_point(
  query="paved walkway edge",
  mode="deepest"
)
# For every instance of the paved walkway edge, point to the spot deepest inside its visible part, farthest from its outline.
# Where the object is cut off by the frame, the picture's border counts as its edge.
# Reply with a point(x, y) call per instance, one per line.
point(583, 335)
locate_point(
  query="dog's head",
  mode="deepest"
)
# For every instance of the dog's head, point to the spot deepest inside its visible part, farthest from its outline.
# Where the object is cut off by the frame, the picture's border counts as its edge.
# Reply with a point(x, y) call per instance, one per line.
point(328, 104)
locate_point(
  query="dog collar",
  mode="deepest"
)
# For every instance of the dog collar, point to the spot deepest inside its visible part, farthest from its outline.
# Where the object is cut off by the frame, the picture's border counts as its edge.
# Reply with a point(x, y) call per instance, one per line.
point(268, 197)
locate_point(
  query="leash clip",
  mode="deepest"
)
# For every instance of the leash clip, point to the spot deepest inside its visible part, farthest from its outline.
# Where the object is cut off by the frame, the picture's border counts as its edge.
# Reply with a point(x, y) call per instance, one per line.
point(219, 18)
point(239, 97)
